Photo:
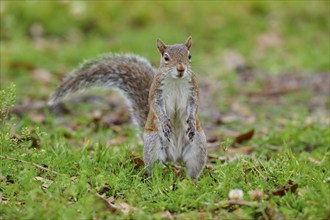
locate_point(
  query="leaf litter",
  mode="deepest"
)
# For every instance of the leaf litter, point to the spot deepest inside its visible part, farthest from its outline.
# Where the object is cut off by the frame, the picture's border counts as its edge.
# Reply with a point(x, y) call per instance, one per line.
point(289, 187)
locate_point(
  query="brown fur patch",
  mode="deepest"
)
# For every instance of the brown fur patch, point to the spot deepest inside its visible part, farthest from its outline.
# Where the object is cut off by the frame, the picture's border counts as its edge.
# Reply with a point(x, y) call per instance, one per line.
point(151, 124)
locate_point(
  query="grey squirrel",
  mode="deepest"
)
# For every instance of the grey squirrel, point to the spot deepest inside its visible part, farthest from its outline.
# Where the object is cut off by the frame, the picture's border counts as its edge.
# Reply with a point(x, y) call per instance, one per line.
point(163, 101)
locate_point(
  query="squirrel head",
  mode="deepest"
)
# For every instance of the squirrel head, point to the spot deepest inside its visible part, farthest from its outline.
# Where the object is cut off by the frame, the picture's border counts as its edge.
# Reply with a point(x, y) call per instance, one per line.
point(175, 59)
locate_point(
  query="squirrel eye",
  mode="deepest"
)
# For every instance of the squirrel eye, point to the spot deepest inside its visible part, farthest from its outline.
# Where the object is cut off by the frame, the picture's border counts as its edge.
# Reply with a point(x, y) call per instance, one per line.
point(166, 57)
point(189, 57)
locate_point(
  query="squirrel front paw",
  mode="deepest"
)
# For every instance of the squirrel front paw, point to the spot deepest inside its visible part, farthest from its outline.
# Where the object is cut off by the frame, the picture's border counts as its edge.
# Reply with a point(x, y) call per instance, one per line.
point(167, 128)
point(191, 129)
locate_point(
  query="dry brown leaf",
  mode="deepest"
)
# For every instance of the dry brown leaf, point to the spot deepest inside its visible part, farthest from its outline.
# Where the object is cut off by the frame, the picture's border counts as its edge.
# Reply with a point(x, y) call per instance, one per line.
point(60, 109)
point(292, 187)
point(21, 202)
point(37, 117)
point(117, 118)
point(273, 92)
point(42, 75)
point(17, 65)
point(46, 182)
point(118, 140)
point(227, 203)
point(137, 161)
point(166, 215)
point(273, 214)
point(213, 146)
point(315, 161)
point(73, 178)
point(211, 138)
point(27, 106)
point(109, 206)
point(205, 215)
point(232, 60)
point(212, 158)
point(178, 170)
point(3, 201)
point(244, 137)
point(242, 150)
point(241, 109)
point(230, 133)
point(256, 195)
point(226, 119)
point(116, 128)
point(125, 208)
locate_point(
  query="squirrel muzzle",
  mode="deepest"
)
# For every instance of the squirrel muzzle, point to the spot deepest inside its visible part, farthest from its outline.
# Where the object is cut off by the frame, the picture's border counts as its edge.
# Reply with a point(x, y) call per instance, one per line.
point(180, 68)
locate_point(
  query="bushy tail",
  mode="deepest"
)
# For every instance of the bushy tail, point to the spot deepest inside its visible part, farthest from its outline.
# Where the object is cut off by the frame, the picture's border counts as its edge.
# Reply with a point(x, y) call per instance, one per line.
point(130, 74)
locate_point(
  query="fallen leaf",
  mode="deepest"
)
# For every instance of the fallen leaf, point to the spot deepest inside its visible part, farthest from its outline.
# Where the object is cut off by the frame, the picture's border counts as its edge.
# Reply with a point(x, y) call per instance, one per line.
point(213, 158)
point(212, 138)
point(242, 150)
point(256, 195)
point(27, 106)
point(60, 109)
point(267, 40)
point(315, 161)
point(273, 214)
point(241, 109)
point(125, 208)
point(109, 206)
point(21, 202)
point(17, 65)
point(3, 201)
point(137, 161)
point(117, 118)
point(42, 75)
point(244, 137)
point(73, 179)
point(37, 117)
point(226, 119)
point(46, 182)
point(118, 140)
point(246, 73)
point(167, 215)
point(36, 31)
point(274, 92)
point(232, 60)
point(214, 145)
point(230, 133)
point(227, 203)
point(292, 187)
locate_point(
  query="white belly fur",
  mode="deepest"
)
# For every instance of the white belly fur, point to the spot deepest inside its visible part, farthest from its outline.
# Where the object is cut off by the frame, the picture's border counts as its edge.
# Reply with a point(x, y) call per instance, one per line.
point(176, 95)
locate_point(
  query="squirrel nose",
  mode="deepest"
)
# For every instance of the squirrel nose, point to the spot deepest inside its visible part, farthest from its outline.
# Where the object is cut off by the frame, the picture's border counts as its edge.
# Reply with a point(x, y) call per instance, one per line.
point(180, 68)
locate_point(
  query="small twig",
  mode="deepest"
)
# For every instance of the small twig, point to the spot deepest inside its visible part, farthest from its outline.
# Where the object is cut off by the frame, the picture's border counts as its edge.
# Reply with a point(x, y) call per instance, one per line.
point(240, 203)
point(111, 207)
point(31, 163)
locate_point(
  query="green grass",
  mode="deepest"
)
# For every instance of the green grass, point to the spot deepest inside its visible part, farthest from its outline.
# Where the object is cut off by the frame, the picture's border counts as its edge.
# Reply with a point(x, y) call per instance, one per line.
point(292, 135)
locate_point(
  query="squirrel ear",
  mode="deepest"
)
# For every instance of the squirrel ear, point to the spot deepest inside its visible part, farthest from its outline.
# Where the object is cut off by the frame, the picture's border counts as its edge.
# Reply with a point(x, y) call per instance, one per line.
point(161, 46)
point(188, 42)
